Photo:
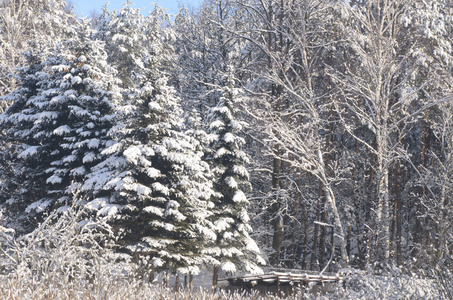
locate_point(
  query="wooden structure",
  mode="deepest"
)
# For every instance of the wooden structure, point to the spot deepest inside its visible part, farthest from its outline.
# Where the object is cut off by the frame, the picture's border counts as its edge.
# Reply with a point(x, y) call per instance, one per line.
point(282, 283)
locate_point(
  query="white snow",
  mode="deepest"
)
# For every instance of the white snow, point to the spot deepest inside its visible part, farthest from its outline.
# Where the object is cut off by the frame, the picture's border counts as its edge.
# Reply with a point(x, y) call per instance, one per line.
point(252, 246)
point(70, 158)
point(152, 172)
point(154, 210)
point(76, 80)
point(142, 190)
point(157, 262)
point(206, 232)
point(241, 171)
point(109, 210)
point(239, 197)
point(231, 182)
point(30, 151)
point(217, 124)
point(94, 143)
point(162, 150)
point(63, 209)
point(90, 125)
point(38, 206)
point(82, 58)
point(89, 157)
point(169, 227)
point(228, 235)
point(143, 162)
point(221, 152)
point(236, 125)
point(157, 186)
point(223, 224)
point(54, 179)
point(154, 106)
point(78, 171)
point(132, 154)
point(228, 267)
point(112, 149)
point(58, 99)
point(228, 137)
point(96, 204)
point(62, 130)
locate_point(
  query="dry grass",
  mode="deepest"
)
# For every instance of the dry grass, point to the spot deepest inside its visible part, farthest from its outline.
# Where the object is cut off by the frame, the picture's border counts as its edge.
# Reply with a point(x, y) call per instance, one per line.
point(16, 288)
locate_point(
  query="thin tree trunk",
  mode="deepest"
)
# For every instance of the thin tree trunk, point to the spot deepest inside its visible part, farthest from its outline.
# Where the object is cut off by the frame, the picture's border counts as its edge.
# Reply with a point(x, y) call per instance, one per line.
point(371, 199)
point(338, 226)
point(393, 218)
point(444, 224)
point(421, 191)
point(356, 207)
point(166, 279)
point(332, 242)
point(330, 200)
point(323, 236)
point(293, 229)
point(151, 277)
point(383, 233)
point(348, 242)
point(326, 157)
point(215, 278)
point(398, 214)
point(305, 251)
point(314, 250)
point(277, 238)
point(304, 263)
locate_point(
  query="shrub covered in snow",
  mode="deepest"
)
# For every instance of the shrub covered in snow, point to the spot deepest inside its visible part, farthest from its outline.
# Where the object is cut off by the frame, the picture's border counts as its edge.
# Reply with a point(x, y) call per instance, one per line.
point(66, 248)
point(394, 284)
point(68, 257)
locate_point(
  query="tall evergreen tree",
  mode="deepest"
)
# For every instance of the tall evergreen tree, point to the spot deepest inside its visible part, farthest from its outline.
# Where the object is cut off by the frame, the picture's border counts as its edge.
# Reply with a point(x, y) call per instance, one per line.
point(233, 248)
point(134, 42)
point(58, 122)
point(153, 186)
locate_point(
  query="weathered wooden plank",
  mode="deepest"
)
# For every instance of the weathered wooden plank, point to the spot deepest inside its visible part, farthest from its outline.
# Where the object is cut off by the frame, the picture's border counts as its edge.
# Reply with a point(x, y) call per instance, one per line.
point(281, 277)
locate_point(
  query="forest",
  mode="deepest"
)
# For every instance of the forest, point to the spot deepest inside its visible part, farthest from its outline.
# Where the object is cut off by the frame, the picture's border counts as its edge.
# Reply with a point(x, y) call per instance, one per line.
point(236, 137)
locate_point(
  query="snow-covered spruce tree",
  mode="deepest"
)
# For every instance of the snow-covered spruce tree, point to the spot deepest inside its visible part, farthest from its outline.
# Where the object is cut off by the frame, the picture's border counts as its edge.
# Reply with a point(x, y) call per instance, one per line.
point(233, 248)
point(133, 41)
point(153, 186)
point(13, 173)
point(123, 33)
point(58, 123)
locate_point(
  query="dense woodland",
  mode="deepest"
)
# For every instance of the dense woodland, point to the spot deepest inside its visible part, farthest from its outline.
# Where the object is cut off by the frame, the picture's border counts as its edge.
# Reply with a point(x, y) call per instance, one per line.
point(300, 134)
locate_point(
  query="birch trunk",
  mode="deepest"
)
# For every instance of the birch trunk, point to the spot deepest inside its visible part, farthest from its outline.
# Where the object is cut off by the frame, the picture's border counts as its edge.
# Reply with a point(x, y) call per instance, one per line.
point(331, 202)
point(382, 212)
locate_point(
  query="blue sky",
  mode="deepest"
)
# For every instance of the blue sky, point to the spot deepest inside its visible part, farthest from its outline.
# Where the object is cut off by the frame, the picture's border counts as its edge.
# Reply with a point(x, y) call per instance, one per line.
point(85, 7)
